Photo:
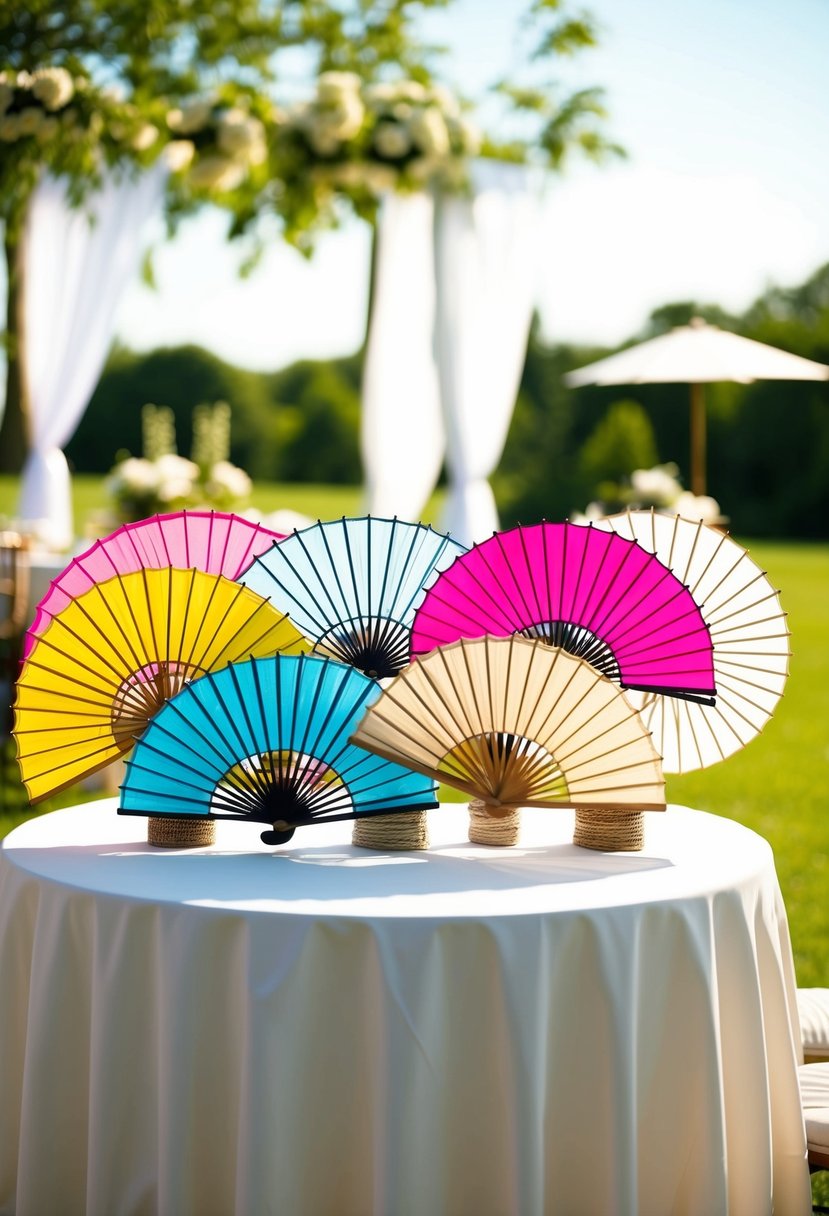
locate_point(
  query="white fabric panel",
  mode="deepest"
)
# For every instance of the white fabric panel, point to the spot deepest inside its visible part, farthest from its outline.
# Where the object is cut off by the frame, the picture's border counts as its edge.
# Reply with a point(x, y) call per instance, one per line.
point(78, 262)
point(814, 1090)
point(328, 1029)
point(813, 1008)
point(402, 437)
point(486, 254)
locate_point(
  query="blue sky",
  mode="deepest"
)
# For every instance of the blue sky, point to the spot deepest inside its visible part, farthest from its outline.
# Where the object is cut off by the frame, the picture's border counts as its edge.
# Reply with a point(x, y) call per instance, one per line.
point(723, 107)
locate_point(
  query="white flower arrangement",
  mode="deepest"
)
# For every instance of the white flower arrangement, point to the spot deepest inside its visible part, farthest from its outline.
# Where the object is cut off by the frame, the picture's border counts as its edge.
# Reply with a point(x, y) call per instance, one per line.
point(367, 139)
point(162, 481)
point(215, 144)
point(659, 488)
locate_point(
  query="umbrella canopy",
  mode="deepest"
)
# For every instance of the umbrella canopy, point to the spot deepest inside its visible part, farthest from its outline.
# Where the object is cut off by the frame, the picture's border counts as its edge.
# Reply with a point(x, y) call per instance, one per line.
point(697, 354)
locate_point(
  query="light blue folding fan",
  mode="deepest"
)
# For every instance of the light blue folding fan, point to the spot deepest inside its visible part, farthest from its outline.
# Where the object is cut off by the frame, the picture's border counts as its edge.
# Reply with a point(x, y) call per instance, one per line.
point(268, 740)
point(353, 585)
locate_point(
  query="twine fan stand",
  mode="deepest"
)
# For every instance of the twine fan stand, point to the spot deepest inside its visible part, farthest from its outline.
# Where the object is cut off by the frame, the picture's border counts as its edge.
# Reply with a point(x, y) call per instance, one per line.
point(493, 825)
point(610, 831)
point(179, 832)
point(400, 833)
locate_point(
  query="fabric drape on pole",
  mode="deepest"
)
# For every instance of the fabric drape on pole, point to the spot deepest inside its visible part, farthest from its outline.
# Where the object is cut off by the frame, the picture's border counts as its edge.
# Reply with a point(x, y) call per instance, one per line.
point(78, 262)
point(485, 254)
point(402, 436)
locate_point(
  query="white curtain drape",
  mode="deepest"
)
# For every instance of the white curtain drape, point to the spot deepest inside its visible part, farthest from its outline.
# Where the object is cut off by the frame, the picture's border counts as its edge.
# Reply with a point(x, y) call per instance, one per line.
point(485, 255)
point(402, 436)
point(78, 262)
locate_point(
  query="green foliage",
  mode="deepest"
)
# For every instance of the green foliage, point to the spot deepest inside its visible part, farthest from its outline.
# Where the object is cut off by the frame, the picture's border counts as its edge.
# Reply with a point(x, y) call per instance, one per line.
point(622, 441)
point(768, 443)
point(298, 425)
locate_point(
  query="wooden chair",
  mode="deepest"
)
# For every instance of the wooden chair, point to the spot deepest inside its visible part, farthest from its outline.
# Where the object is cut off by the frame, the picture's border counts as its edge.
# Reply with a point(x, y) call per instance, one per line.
point(814, 1098)
point(14, 598)
point(813, 1008)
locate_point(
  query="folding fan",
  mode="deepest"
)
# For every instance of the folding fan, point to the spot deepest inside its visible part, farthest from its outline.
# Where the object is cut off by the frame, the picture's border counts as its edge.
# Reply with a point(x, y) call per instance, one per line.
point(595, 594)
point(268, 740)
point(516, 722)
point(212, 541)
point(352, 585)
point(112, 656)
point(748, 633)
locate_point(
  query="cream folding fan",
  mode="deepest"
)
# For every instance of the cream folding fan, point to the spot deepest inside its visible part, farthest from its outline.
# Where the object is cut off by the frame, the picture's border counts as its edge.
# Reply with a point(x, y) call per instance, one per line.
point(113, 656)
point(749, 637)
point(515, 722)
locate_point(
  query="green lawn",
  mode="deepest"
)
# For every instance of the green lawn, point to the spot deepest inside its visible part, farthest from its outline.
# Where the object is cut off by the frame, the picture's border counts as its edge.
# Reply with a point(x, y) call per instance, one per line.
point(777, 786)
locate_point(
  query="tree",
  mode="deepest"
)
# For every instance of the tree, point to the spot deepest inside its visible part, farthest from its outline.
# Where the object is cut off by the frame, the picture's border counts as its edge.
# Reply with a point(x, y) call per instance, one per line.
point(98, 84)
point(93, 84)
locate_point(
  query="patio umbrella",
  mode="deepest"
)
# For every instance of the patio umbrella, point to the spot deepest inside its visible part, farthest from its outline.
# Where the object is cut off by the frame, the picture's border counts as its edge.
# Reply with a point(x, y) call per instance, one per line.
point(697, 354)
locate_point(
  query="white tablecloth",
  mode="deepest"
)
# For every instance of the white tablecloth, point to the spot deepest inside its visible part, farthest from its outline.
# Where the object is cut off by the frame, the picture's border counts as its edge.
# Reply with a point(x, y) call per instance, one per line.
point(327, 1030)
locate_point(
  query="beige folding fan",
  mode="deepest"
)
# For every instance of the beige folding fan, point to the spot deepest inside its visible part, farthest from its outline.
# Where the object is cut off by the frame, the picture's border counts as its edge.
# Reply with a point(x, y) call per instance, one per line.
point(749, 637)
point(515, 722)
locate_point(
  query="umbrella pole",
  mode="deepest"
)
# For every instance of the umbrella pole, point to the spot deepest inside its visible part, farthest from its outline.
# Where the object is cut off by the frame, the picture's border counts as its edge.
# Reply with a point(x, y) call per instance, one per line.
point(697, 439)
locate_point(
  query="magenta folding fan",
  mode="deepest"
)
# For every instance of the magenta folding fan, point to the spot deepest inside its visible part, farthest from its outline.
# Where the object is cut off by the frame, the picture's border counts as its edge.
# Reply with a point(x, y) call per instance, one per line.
point(211, 541)
point(615, 605)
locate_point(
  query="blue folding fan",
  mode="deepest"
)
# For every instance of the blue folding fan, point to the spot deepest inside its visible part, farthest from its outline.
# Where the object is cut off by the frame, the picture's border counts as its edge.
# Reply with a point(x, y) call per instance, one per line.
point(353, 586)
point(268, 740)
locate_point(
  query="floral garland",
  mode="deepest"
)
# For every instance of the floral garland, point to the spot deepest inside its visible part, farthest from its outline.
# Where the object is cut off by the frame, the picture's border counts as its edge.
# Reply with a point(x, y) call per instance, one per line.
point(53, 119)
point(349, 141)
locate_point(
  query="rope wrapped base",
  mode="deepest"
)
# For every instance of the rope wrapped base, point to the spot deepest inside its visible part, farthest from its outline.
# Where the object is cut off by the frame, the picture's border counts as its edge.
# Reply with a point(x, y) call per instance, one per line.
point(409, 830)
point(178, 832)
point(610, 831)
point(493, 825)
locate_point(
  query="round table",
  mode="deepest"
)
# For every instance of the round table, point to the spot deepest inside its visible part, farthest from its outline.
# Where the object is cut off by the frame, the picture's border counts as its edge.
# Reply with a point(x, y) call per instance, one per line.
point(458, 1032)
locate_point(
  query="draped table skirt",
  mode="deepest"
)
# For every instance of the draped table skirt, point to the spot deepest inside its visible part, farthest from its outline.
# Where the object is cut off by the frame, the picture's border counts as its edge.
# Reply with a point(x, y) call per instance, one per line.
point(327, 1030)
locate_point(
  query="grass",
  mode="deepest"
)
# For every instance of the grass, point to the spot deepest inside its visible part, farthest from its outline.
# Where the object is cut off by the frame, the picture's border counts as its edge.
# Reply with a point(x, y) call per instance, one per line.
point(316, 501)
point(777, 785)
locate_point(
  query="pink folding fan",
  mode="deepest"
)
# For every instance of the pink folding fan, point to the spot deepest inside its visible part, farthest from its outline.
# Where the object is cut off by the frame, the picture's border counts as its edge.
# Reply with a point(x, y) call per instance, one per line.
point(611, 603)
point(211, 541)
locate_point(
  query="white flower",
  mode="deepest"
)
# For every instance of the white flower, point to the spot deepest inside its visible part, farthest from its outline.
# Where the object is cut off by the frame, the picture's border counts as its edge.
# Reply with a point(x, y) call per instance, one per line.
point(697, 507)
point(144, 137)
point(239, 134)
point(655, 486)
point(380, 96)
point(379, 178)
point(410, 90)
point(343, 119)
point(428, 130)
point(391, 140)
point(179, 154)
point(53, 87)
point(217, 173)
point(173, 466)
point(227, 480)
point(333, 86)
point(591, 512)
point(173, 488)
point(193, 116)
point(134, 476)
